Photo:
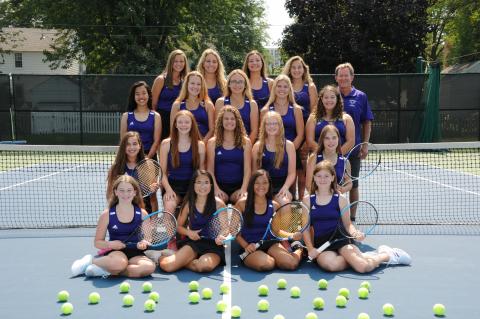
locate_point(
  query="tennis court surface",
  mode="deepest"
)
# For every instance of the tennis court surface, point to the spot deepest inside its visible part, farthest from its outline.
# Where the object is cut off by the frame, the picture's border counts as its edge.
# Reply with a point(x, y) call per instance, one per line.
point(428, 201)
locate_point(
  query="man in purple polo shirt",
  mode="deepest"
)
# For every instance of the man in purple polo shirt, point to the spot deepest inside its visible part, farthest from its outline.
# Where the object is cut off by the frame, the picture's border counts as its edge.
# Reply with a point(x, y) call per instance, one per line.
point(356, 104)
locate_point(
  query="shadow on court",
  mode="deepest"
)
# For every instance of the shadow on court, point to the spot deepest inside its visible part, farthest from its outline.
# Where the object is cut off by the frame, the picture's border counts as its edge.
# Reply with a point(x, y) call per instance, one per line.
point(36, 265)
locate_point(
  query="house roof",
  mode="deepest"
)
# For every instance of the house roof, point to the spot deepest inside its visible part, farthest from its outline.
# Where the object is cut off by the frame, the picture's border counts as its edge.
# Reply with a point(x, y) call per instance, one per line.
point(28, 39)
point(470, 67)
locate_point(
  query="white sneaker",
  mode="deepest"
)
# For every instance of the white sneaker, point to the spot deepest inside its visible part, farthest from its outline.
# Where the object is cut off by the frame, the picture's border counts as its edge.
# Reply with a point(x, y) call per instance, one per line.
point(95, 271)
point(370, 254)
point(80, 265)
point(153, 255)
point(397, 256)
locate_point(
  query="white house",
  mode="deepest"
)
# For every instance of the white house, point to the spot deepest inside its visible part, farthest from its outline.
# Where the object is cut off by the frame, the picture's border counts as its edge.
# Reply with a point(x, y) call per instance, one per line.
point(23, 52)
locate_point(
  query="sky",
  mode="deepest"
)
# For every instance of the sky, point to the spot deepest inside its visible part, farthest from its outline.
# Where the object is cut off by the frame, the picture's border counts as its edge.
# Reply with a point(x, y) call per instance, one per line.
point(277, 17)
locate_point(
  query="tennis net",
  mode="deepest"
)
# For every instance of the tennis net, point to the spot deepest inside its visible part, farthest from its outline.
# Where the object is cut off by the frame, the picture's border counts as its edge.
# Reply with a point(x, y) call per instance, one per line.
point(418, 188)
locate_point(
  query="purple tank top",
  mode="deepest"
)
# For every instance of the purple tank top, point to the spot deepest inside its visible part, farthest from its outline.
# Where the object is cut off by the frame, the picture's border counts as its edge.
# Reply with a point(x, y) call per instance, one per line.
point(244, 113)
point(201, 116)
point(228, 165)
point(324, 218)
point(339, 124)
point(302, 98)
point(184, 171)
point(120, 231)
point(168, 96)
point(339, 166)
point(255, 232)
point(262, 95)
point(289, 124)
point(144, 128)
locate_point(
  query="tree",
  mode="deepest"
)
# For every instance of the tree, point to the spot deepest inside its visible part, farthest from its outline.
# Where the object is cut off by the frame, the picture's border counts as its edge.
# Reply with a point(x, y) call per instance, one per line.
point(136, 36)
point(375, 36)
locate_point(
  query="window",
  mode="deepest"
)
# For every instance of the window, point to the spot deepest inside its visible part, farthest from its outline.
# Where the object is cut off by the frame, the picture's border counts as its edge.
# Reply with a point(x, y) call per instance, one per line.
point(18, 60)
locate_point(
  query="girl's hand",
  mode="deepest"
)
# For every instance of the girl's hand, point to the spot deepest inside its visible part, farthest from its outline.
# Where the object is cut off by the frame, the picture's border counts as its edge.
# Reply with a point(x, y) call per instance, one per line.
point(143, 244)
point(194, 234)
point(116, 245)
point(170, 195)
point(312, 253)
point(251, 248)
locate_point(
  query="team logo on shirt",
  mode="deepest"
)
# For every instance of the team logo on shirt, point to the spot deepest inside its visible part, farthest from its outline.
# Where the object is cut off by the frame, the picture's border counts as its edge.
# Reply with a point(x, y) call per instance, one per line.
point(115, 227)
point(219, 153)
point(131, 123)
point(351, 102)
point(313, 207)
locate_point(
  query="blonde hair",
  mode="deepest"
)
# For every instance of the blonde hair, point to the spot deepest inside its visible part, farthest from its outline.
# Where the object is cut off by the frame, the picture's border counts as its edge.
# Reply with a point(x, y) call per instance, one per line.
point(219, 73)
point(168, 71)
point(306, 77)
point(137, 200)
point(279, 141)
point(345, 66)
point(239, 133)
point(273, 94)
point(263, 71)
point(247, 92)
point(184, 94)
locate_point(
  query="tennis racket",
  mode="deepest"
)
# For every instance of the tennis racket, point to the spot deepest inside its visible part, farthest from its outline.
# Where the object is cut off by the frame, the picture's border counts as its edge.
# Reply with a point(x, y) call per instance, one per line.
point(225, 221)
point(287, 220)
point(157, 229)
point(367, 166)
point(149, 175)
point(365, 223)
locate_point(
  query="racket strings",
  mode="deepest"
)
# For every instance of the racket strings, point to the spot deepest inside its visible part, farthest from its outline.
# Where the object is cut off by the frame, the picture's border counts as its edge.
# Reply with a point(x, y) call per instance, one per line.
point(158, 229)
point(289, 219)
point(225, 223)
point(147, 173)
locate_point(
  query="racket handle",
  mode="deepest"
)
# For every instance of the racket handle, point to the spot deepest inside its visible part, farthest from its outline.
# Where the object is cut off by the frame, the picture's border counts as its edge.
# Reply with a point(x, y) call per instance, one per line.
point(246, 253)
point(322, 248)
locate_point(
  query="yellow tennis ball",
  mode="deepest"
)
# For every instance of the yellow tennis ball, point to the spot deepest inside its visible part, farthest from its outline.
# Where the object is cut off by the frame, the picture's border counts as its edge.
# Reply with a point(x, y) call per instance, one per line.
point(147, 286)
point(124, 287)
point(388, 309)
point(221, 306)
point(63, 296)
point(149, 305)
point(207, 293)
point(341, 301)
point(363, 293)
point(439, 310)
point(128, 300)
point(263, 305)
point(281, 283)
point(311, 315)
point(224, 288)
point(322, 284)
point(295, 292)
point(236, 312)
point(263, 290)
point(194, 297)
point(279, 317)
point(67, 308)
point(94, 298)
point(154, 296)
point(193, 285)
point(363, 315)
point(344, 292)
point(318, 303)
point(366, 284)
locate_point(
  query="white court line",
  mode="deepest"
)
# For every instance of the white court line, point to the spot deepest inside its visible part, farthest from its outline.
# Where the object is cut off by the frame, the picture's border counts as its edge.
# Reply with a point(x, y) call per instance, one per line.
point(41, 177)
point(227, 280)
point(438, 183)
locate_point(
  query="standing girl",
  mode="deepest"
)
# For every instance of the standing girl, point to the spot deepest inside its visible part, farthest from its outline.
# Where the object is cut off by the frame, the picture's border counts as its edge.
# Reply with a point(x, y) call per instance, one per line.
point(256, 70)
point(329, 149)
point(194, 98)
point(282, 101)
point(166, 87)
point(229, 156)
point(123, 216)
point(141, 118)
point(211, 67)
point(180, 155)
point(196, 253)
point(239, 95)
point(276, 155)
point(330, 111)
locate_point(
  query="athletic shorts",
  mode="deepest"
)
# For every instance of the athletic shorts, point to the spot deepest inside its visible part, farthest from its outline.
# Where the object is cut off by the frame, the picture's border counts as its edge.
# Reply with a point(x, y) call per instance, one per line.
point(320, 240)
point(129, 252)
point(204, 246)
point(179, 187)
point(230, 188)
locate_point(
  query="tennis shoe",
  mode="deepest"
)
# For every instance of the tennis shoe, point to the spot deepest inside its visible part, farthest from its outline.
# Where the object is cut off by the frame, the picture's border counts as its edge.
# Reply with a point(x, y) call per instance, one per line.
point(80, 265)
point(370, 254)
point(397, 256)
point(95, 271)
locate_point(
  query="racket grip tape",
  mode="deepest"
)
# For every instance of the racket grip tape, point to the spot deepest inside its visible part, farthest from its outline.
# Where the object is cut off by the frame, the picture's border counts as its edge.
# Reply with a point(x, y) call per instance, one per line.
point(322, 248)
point(246, 253)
